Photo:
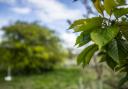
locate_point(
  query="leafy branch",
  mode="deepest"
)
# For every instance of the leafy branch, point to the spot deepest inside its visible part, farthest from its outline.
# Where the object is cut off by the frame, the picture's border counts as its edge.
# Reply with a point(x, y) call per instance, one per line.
point(108, 34)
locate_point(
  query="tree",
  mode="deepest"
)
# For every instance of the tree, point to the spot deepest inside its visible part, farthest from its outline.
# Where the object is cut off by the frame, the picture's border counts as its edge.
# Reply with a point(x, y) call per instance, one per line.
point(109, 36)
point(28, 46)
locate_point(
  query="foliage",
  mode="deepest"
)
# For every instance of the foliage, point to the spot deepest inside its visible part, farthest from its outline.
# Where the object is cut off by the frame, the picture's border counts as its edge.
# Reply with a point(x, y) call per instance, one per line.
point(29, 46)
point(109, 33)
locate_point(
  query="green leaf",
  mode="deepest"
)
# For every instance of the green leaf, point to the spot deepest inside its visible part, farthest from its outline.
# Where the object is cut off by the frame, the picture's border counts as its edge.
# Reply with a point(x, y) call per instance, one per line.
point(98, 6)
point(85, 56)
point(123, 54)
point(77, 23)
point(109, 5)
point(112, 50)
point(121, 2)
point(111, 63)
point(86, 39)
point(82, 39)
point(103, 36)
point(87, 25)
point(118, 12)
point(122, 49)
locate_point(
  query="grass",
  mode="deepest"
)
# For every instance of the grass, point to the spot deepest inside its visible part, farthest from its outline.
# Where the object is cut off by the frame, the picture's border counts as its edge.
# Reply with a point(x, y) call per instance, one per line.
point(58, 79)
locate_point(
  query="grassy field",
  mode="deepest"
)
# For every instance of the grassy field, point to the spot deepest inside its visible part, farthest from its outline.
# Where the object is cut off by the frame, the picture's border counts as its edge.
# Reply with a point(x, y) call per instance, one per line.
point(58, 79)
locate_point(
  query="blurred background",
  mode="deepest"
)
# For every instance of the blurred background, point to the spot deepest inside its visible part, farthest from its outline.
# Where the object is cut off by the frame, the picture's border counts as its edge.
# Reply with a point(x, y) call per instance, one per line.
point(37, 51)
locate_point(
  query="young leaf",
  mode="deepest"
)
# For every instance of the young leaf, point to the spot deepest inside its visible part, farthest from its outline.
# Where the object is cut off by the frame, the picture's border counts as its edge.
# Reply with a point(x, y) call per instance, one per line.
point(103, 36)
point(78, 23)
point(112, 50)
point(109, 5)
point(98, 6)
point(87, 25)
point(85, 56)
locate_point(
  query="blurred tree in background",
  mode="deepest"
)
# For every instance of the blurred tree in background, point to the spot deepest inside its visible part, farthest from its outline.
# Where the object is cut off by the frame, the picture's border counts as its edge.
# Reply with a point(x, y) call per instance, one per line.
point(28, 47)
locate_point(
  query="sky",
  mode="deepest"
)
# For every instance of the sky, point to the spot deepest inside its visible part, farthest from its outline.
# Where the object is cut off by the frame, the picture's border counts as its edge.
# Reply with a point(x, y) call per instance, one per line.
point(50, 13)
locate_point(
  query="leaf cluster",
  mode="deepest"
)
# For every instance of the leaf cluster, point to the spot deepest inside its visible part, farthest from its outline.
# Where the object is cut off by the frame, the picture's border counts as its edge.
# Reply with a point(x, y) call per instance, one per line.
point(109, 35)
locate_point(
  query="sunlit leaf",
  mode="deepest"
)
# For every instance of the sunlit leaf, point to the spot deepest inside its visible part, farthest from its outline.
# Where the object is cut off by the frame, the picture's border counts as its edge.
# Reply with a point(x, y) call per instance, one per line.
point(109, 5)
point(78, 23)
point(103, 36)
point(87, 25)
point(98, 6)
